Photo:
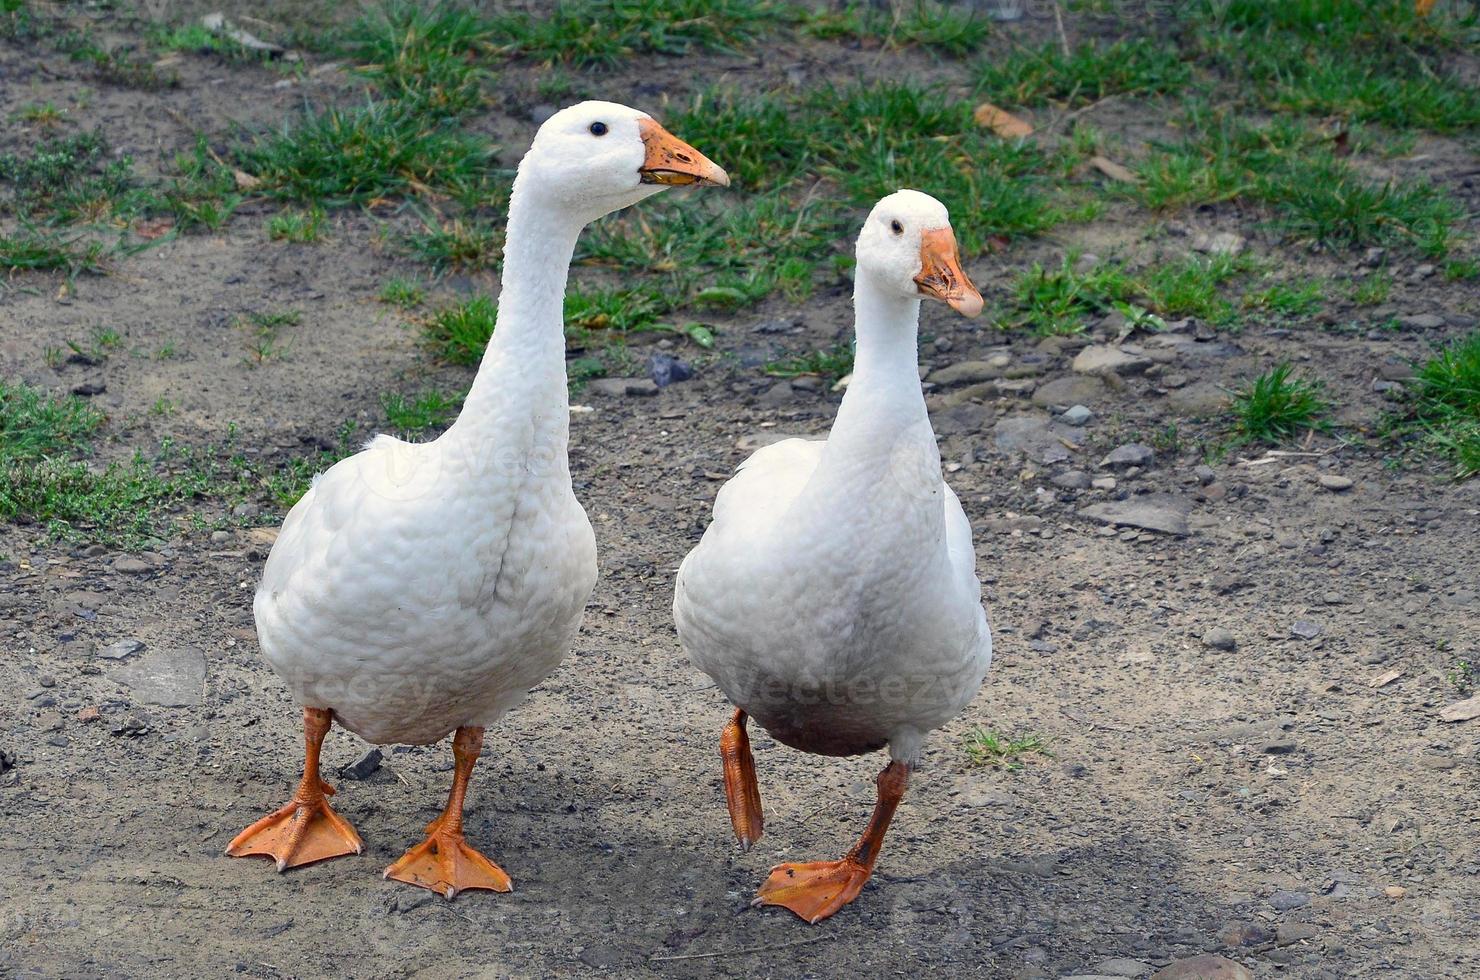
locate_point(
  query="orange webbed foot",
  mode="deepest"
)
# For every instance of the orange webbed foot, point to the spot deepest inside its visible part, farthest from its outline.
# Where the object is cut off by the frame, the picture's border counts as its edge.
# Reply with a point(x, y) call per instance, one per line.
point(303, 831)
point(813, 890)
point(447, 864)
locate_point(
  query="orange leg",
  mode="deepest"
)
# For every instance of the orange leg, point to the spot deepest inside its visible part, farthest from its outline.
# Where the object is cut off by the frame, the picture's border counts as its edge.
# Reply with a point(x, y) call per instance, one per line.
point(306, 829)
point(817, 889)
point(742, 795)
point(445, 862)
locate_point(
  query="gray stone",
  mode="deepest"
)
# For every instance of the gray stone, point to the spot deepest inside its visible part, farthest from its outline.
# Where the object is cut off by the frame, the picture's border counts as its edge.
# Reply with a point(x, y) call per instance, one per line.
point(966, 419)
point(1077, 415)
point(1284, 901)
point(616, 387)
point(1204, 967)
point(1218, 243)
point(1158, 512)
point(1022, 434)
point(1294, 932)
point(966, 373)
point(1103, 483)
point(121, 649)
point(1070, 390)
point(1304, 629)
point(1335, 482)
point(1236, 934)
point(1201, 398)
point(1219, 639)
point(132, 566)
point(169, 678)
point(1422, 321)
point(1131, 454)
point(1072, 480)
point(1204, 474)
point(1121, 966)
point(364, 767)
point(1097, 359)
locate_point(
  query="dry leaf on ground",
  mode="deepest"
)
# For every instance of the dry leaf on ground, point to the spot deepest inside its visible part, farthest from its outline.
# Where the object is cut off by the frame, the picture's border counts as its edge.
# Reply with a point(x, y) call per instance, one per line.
point(1001, 122)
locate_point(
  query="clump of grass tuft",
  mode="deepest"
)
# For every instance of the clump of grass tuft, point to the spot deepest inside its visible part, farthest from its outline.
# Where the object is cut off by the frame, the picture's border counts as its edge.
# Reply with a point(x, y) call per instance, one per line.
point(34, 423)
point(830, 365)
point(459, 333)
point(1286, 299)
point(1446, 405)
point(405, 293)
point(458, 244)
point(359, 156)
point(937, 26)
point(1087, 74)
point(68, 179)
point(426, 410)
point(1189, 286)
point(303, 227)
point(602, 32)
point(1057, 301)
point(989, 748)
point(31, 250)
point(426, 54)
point(1277, 406)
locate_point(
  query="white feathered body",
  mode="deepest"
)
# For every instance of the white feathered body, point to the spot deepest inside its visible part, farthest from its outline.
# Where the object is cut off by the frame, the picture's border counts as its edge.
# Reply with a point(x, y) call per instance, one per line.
point(834, 598)
point(417, 588)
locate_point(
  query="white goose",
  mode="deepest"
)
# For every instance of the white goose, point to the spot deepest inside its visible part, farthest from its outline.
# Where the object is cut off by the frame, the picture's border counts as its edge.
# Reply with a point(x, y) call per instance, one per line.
point(834, 598)
point(419, 589)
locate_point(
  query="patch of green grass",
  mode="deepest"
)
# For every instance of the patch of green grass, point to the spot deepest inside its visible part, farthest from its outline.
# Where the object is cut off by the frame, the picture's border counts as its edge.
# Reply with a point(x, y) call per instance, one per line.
point(32, 250)
point(1445, 408)
point(1374, 290)
point(425, 54)
point(405, 293)
point(938, 26)
point(1057, 301)
point(98, 346)
point(458, 334)
point(1278, 406)
point(1090, 72)
point(68, 179)
point(830, 365)
point(1286, 299)
point(43, 114)
point(122, 66)
point(1369, 62)
point(303, 227)
point(202, 193)
point(613, 310)
point(1462, 270)
point(462, 244)
point(1190, 286)
point(199, 39)
point(588, 33)
point(264, 333)
point(425, 410)
point(989, 748)
point(34, 423)
point(381, 150)
point(1311, 192)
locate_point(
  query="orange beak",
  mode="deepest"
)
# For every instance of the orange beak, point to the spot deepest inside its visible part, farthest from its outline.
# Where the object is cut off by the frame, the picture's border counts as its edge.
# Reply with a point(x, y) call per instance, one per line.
point(941, 275)
point(672, 161)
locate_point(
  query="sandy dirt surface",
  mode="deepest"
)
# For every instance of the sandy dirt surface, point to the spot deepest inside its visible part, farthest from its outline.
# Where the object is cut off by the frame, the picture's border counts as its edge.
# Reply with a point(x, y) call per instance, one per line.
point(1294, 802)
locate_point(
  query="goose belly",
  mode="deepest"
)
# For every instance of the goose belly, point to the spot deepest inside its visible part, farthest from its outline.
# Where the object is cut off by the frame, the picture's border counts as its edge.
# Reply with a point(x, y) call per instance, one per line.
point(429, 630)
point(834, 684)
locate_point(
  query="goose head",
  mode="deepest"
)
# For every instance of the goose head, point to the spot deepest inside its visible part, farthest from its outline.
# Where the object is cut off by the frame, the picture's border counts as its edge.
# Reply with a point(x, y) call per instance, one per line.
point(907, 247)
point(594, 158)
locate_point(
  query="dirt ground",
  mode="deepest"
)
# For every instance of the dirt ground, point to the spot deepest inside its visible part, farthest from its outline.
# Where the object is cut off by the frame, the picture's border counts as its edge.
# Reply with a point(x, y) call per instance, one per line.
point(1281, 802)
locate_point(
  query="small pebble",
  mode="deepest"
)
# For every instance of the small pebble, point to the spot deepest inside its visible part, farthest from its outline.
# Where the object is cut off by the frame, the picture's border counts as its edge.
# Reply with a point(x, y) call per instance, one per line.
point(1335, 482)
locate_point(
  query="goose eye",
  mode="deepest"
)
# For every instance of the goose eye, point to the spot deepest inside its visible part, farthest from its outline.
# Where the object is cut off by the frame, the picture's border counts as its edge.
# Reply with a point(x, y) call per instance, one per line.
point(896, 227)
point(598, 129)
